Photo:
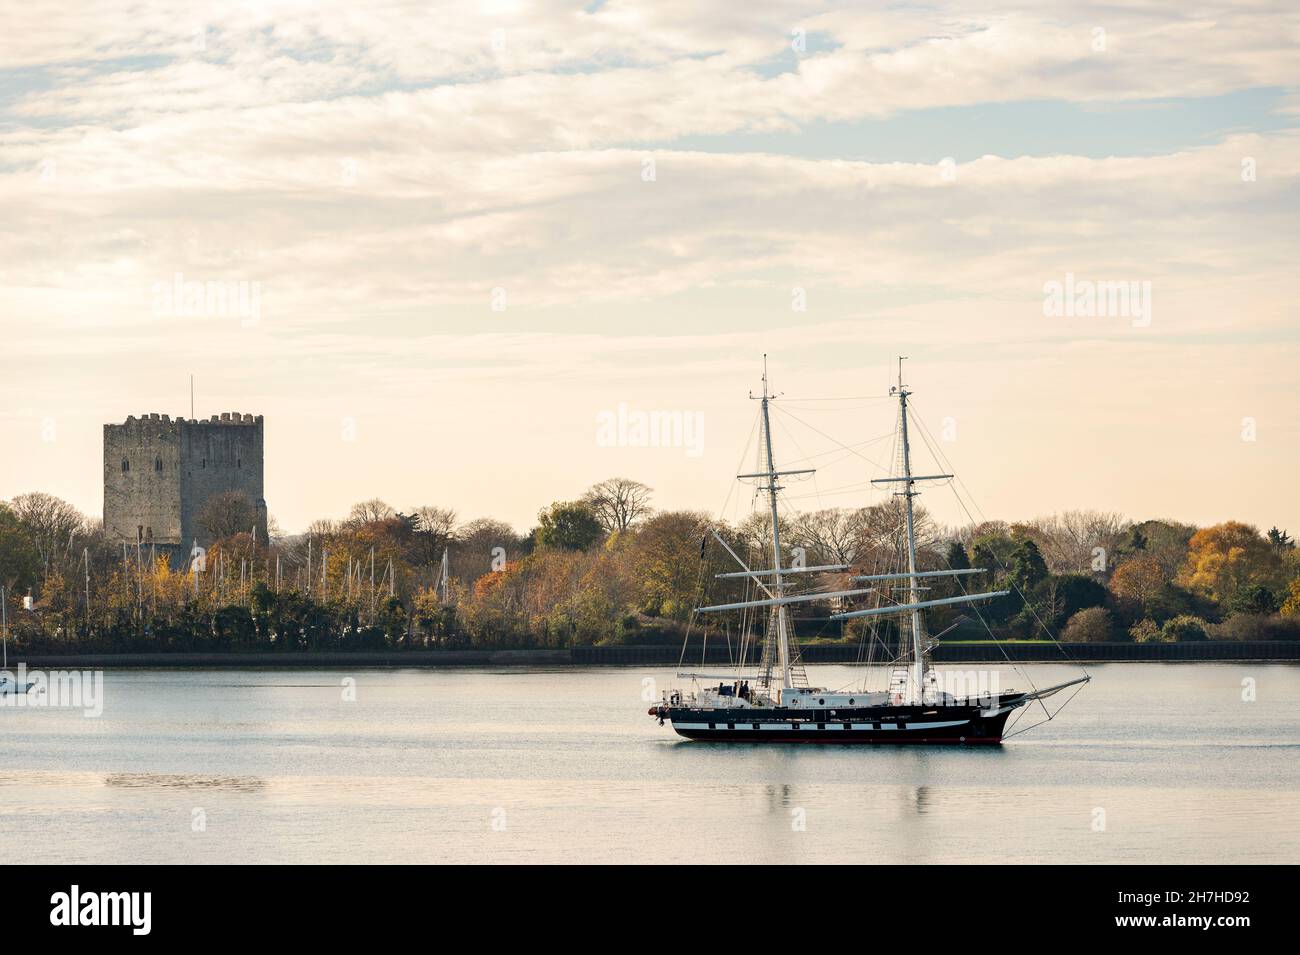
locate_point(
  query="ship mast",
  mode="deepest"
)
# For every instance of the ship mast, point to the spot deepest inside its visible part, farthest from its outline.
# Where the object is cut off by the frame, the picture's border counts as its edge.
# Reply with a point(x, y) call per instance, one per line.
point(778, 579)
point(917, 683)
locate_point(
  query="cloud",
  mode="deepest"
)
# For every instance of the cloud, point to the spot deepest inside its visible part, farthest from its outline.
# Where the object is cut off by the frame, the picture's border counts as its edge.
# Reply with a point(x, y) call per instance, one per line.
point(381, 172)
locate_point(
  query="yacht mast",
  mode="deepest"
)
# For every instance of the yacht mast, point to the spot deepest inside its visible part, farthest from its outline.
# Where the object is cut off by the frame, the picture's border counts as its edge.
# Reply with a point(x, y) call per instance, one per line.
point(916, 688)
point(778, 582)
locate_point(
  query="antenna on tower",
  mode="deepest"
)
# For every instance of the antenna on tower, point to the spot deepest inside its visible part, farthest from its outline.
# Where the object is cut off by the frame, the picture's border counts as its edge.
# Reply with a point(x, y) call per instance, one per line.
point(191, 397)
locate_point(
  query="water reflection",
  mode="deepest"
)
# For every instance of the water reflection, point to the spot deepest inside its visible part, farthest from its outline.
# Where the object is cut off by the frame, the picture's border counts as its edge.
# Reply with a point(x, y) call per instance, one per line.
point(236, 784)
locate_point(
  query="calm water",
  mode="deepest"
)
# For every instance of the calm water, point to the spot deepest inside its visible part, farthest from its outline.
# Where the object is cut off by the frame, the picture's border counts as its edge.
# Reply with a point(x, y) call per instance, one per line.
point(537, 765)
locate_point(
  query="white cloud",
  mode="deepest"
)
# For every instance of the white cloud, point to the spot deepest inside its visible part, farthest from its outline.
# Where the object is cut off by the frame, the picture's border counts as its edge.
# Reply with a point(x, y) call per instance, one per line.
point(380, 170)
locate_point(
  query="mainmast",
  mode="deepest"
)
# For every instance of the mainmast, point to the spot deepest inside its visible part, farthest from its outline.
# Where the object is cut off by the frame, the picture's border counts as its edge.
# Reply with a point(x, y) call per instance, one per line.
point(778, 579)
point(916, 688)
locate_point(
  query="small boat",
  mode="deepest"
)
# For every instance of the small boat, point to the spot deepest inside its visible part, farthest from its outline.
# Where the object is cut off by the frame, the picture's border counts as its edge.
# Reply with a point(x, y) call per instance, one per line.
point(776, 705)
point(8, 684)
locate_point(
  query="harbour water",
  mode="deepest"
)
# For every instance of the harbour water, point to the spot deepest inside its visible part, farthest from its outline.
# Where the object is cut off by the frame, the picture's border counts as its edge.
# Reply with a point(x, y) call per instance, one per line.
point(1158, 763)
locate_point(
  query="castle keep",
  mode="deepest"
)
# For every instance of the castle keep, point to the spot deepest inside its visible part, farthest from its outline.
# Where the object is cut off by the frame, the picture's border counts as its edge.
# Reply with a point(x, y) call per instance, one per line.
point(159, 472)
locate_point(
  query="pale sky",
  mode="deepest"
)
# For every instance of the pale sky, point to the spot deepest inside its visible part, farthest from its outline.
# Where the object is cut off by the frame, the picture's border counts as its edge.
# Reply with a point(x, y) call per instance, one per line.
point(473, 230)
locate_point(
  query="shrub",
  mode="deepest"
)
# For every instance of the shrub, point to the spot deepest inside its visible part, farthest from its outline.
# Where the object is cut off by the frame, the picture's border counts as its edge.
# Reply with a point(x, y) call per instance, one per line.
point(1091, 625)
point(1184, 628)
point(1147, 631)
point(1246, 626)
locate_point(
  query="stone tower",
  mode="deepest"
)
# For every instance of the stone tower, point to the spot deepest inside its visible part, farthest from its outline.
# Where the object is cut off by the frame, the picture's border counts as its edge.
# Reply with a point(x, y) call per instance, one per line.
point(159, 472)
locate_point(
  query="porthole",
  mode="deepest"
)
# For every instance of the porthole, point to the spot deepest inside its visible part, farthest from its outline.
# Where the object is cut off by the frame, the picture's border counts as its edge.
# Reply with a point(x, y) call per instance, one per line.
point(821, 702)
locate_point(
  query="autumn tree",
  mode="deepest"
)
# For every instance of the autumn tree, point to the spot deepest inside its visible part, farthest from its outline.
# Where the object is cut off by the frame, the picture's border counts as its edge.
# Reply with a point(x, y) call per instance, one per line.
point(667, 558)
point(1164, 541)
point(1291, 603)
point(1224, 559)
point(1140, 580)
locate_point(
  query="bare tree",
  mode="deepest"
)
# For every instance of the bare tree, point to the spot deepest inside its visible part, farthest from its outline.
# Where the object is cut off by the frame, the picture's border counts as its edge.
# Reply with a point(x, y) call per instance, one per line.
point(53, 523)
point(1068, 540)
point(434, 531)
point(226, 514)
point(618, 503)
point(368, 512)
point(439, 521)
point(831, 536)
point(482, 546)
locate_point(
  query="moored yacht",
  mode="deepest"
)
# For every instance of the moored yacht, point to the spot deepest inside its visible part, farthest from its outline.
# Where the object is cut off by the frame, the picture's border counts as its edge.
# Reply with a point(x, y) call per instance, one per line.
point(8, 684)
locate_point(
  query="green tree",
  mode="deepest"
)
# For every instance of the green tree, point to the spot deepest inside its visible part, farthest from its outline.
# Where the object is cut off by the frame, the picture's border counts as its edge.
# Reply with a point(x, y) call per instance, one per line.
point(20, 560)
point(956, 557)
point(568, 525)
point(1254, 598)
point(1075, 592)
point(1028, 569)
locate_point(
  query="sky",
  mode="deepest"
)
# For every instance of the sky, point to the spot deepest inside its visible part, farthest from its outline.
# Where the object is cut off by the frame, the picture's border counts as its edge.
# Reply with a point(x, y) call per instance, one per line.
point(459, 244)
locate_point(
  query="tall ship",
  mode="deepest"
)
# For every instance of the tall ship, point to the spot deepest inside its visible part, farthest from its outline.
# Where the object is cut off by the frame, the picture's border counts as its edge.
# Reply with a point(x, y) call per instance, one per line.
point(772, 702)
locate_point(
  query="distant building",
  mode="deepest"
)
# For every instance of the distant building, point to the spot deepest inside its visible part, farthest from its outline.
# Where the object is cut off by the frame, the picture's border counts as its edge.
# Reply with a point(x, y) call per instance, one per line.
point(159, 472)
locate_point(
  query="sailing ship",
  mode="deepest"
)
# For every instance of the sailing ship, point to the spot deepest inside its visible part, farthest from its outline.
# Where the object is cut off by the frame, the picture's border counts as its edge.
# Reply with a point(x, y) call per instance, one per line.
point(8, 685)
point(776, 704)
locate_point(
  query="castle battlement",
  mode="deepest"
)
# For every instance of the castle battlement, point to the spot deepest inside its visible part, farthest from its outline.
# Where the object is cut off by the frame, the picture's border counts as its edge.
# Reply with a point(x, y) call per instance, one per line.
point(153, 417)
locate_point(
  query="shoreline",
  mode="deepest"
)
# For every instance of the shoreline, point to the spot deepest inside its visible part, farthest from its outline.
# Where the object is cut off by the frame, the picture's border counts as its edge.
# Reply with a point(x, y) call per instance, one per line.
point(1273, 651)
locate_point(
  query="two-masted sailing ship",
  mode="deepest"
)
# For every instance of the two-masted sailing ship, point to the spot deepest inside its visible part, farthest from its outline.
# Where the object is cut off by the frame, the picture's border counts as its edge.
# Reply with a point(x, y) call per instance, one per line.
point(775, 704)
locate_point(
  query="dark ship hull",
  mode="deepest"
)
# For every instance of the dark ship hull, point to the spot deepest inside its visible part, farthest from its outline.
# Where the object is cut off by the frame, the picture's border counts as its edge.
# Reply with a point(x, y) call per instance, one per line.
point(956, 725)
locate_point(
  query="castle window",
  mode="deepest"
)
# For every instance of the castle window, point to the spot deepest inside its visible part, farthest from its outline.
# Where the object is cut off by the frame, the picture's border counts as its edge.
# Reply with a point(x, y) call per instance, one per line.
point(239, 462)
point(205, 464)
point(139, 532)
point(126, 465)
point(157, 464)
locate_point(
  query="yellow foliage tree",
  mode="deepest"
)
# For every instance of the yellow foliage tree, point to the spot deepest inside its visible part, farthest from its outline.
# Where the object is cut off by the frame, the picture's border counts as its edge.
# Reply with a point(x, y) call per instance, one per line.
point(1226, 557)
point(1291, 606)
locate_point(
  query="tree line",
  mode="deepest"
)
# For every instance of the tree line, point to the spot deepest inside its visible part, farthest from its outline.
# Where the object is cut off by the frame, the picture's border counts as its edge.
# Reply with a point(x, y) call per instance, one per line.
point(610, 568)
